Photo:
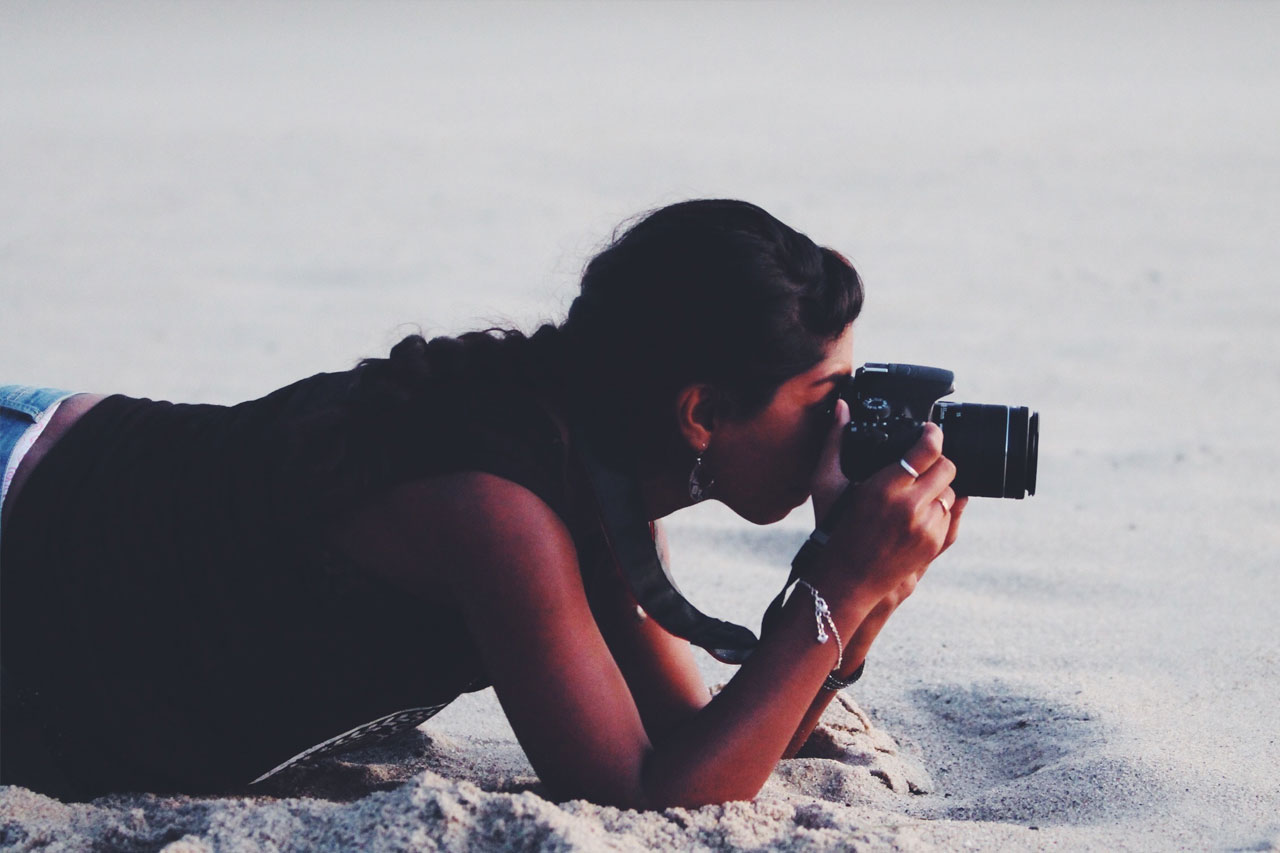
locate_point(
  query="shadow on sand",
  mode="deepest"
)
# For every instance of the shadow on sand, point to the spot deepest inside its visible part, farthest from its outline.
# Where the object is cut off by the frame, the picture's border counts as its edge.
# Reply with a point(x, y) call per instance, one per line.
point(1004, 755)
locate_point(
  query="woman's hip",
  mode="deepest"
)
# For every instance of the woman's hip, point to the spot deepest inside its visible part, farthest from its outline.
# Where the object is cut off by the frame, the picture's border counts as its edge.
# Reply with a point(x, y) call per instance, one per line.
point(25, 410)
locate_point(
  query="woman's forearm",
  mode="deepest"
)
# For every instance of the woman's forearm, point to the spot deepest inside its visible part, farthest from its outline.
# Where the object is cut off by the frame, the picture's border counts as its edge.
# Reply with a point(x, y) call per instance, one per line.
point(728, 749)
point(855, 654)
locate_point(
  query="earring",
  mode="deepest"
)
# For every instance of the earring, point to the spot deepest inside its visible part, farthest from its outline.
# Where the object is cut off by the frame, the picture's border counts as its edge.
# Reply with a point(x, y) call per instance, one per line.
point(700, 482)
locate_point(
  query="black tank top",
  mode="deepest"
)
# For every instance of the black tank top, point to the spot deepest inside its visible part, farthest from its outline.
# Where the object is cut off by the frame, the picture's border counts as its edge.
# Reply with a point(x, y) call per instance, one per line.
point(167, 593)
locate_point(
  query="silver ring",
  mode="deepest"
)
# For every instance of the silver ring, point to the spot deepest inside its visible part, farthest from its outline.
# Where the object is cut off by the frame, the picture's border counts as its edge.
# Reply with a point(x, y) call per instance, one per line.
point(945, 508)
point(906, 466)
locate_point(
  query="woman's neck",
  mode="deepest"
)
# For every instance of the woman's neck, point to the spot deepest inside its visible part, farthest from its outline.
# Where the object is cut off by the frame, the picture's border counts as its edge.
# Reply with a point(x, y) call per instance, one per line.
point(663, 492)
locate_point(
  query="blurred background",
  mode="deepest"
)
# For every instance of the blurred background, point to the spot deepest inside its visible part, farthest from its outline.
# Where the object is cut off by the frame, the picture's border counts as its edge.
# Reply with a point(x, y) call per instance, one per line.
point(259, 191)
point(1075, 207)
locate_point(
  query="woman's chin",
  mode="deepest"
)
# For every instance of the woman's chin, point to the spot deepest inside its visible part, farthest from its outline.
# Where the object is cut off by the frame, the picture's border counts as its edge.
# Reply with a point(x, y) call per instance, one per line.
point(773, 513)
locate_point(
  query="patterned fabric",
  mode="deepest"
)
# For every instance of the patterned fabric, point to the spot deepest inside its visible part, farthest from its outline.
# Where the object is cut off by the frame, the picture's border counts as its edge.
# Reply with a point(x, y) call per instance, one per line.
point(369, 733)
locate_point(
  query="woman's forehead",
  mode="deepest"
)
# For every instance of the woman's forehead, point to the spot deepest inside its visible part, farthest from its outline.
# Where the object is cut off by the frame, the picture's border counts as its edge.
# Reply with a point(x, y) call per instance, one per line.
point(834, 366)
point(838, 359)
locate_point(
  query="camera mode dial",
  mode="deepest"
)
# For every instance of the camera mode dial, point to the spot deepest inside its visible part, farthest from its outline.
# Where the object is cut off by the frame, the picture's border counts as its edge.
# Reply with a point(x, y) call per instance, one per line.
point(876, 409)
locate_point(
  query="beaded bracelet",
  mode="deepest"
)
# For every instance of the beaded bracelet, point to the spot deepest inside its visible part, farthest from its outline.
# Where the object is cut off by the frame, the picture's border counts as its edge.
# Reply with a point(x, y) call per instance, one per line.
point(834, 682)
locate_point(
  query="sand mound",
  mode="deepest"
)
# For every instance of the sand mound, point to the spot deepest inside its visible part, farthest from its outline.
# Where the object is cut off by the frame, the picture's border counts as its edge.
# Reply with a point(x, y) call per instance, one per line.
point(426, 792)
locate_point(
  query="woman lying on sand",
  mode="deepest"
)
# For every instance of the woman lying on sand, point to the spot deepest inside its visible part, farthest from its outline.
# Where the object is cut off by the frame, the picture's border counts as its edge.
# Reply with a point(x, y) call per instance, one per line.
point(192, 594)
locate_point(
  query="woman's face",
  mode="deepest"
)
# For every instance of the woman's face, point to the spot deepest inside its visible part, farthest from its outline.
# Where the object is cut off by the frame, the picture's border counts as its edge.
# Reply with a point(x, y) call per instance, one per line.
point(763, 465)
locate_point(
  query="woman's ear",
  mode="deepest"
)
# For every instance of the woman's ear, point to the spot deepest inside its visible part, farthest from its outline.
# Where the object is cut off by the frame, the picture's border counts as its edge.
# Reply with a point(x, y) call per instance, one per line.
point(697, 414)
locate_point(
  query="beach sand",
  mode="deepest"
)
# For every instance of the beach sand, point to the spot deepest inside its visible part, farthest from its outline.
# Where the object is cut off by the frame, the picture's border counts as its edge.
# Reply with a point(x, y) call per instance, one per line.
point(1074, 208)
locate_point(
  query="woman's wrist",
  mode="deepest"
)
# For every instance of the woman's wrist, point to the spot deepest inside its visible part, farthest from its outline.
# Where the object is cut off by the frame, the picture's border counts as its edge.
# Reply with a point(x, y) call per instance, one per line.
point(850, 602)
point(824, 623)
point(846, 610)
point(851, 671)
point(842, 680)
point(858, 614)
point(843, 600)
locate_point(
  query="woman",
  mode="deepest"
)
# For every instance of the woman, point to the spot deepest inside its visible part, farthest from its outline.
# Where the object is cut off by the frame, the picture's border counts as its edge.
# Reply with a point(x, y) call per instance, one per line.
point(193, 594)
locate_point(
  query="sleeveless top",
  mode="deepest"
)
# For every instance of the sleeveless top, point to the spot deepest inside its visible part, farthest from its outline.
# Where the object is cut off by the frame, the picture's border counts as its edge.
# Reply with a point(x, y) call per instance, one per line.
point(169, 599)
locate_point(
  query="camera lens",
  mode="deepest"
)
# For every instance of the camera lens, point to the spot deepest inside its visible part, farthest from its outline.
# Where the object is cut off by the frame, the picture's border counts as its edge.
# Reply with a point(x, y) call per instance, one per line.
point(1033, 451)
point(995, 448)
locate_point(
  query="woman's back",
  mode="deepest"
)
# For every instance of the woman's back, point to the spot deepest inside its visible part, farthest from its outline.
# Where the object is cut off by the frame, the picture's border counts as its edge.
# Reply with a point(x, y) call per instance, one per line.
point(189, 549)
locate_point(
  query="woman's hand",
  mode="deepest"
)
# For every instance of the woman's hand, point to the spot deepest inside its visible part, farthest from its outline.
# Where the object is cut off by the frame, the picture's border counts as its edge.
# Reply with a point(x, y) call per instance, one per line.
point(903, 591)
point(855, 651)
point(867, 632)
point(895, 526)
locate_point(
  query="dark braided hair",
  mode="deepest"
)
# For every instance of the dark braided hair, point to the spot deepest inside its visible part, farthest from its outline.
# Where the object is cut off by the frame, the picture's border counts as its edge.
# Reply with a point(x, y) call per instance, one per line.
point(708, 291)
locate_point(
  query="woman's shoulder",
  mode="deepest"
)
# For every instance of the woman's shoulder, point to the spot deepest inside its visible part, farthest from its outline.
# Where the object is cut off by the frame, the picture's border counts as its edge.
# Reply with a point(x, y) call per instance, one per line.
point(430, 535)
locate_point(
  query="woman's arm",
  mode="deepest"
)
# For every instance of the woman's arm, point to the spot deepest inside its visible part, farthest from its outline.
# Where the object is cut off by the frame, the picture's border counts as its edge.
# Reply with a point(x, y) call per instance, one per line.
point(564, 694)
point(518, 585)
point(516, 578)
point(829, 483)
point(659, 668)
point(860, 643)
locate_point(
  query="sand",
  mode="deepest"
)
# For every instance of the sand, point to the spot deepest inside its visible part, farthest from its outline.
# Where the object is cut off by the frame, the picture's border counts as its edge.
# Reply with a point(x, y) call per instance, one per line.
point(1074, 208)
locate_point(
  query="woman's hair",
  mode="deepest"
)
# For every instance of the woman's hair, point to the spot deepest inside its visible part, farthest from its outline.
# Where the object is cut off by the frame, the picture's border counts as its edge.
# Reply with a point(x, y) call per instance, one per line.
point(713, 291)
point(716, 292)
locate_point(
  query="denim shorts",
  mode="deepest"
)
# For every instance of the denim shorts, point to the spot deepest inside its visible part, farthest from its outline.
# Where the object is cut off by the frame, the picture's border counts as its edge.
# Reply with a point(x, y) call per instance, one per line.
point(23, 408)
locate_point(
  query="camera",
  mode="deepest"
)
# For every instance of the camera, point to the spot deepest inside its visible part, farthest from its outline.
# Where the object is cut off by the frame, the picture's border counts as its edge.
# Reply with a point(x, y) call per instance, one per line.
point(994, 448)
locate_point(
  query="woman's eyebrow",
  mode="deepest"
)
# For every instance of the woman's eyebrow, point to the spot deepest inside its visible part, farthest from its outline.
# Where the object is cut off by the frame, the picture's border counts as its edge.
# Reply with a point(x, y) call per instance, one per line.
point(835, 377)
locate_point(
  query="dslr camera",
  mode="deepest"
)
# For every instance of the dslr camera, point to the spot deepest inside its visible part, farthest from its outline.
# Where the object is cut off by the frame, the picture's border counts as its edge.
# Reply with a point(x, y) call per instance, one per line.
point(994, 448)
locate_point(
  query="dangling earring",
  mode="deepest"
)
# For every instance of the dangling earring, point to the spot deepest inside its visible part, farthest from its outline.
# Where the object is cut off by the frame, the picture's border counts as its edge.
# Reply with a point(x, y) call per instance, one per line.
point(700, 482)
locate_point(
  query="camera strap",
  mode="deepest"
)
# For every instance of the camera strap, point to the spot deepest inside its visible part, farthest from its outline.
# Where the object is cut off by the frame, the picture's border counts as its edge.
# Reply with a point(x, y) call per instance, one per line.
point(620, 508)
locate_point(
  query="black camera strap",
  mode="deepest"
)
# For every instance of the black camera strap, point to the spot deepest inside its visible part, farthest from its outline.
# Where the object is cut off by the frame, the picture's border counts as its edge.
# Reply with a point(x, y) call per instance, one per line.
point(620, 508)
point(625, 527)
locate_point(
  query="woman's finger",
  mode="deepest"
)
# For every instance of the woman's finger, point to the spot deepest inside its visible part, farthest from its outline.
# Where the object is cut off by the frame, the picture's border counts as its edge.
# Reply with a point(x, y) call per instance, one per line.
point(935, 483)
point(831, 446)
point(828, 480)
point(957, 509)
point(922, 455)
point(945, 500)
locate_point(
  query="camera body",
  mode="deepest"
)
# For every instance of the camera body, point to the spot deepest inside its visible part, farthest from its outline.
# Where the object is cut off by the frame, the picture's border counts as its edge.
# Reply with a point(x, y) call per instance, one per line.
point(995, 448)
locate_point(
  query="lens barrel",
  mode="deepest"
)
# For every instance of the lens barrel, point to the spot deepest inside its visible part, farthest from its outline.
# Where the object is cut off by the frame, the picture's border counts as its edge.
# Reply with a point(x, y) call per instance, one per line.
point(995, 448)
